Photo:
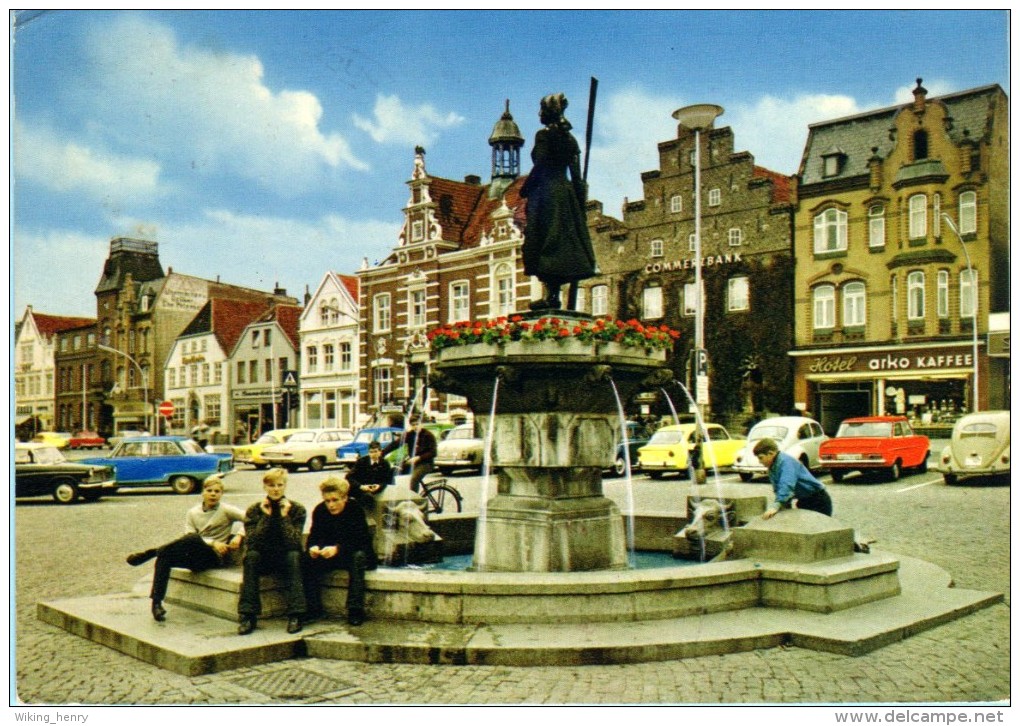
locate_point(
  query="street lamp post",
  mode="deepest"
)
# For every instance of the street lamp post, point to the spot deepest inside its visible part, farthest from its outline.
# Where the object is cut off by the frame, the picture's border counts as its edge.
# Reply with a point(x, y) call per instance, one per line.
point(973, 306)
point(144, 375)
point(698, 118)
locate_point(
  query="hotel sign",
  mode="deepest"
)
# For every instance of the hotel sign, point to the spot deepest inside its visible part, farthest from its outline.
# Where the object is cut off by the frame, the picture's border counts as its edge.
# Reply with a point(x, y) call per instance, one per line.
point(891, 362)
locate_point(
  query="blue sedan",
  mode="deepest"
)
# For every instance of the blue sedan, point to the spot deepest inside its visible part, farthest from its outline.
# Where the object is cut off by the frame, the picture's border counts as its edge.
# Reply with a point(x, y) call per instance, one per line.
point(175, 461)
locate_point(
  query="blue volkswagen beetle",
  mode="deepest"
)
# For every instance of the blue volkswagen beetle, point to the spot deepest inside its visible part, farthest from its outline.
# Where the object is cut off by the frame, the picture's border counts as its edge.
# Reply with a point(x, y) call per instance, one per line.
point(350, 452)
point(176, 461)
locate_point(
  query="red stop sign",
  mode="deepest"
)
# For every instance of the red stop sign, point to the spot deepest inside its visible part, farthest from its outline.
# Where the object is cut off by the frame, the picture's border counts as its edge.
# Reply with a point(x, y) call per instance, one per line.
point(166, 409)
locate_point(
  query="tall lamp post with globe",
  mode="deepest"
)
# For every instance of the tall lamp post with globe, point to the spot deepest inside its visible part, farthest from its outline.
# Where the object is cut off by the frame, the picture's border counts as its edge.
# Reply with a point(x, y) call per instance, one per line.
point(975, 407)
point(698, 118)
point(142, 373)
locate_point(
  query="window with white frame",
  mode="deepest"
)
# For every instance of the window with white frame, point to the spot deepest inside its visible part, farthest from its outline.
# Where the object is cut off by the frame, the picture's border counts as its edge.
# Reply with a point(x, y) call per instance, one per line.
point(676, 204)
point(417, 230)
point(205, 374)
point(689, 304)
point(942, 294)
point(599, 299)
point(915, 295)
point(346, 359)
point(382, 379)
point(171, 378)
point(824, 307)
point(855, 305)
point(323, 314)
point(211, 410)
point(656, 248)
point(830, 231)
point(735, 236)
point(581, 299)
point(714, 197)
point(504, 285)
point(918, 206)
point(738, 295)
point(328, 359)
point(334, 311)
point(382, 312)
point(876, 225)
point(692, 242)
point(460, 302)
point(240, 377)
point(417, 311)
point(651, 303)
point(312, 358)
point(968, 293)
point(218, 373)
point(256, 338)
point(968, 212)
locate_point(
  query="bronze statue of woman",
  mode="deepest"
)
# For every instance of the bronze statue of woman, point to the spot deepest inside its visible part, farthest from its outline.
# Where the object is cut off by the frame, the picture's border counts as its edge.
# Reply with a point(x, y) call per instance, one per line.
point(557, 248)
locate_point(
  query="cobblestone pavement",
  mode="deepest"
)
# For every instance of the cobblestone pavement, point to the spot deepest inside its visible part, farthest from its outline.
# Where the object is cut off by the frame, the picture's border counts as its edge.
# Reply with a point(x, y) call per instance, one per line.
point(67, 551)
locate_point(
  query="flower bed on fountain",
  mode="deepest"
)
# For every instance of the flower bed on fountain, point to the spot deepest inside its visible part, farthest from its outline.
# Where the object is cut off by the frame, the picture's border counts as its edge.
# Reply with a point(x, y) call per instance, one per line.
point(516, 328)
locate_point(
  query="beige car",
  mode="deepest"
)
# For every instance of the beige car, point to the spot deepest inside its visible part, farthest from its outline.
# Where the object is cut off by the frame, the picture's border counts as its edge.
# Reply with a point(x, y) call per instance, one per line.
point(979, 446)
point(314, 448)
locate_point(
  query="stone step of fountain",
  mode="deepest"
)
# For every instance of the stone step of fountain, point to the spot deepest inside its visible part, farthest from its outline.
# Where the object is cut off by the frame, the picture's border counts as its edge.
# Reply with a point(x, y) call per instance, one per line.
point(193, 643)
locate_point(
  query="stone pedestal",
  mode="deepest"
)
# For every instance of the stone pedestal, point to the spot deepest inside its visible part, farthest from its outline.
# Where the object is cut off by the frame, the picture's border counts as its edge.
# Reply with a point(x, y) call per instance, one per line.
point(555, 428)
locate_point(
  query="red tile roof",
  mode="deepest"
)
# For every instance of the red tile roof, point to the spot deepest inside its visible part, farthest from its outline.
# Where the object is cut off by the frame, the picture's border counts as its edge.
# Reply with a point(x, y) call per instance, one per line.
point(49, 325)
point(456, 202)
point(780, 184)
point(231, 317)
point(351, 283)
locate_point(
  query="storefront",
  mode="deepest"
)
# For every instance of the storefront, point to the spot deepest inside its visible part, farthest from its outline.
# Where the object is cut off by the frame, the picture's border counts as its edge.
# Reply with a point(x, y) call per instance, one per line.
point(256, 411)
point(931, 384)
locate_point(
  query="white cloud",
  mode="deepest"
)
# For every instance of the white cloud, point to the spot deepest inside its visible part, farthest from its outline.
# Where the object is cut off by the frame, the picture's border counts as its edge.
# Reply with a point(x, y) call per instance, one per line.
point(56, 271)
point(213, 105)
point(66, 166)
point(393, 122)
point(938, 87)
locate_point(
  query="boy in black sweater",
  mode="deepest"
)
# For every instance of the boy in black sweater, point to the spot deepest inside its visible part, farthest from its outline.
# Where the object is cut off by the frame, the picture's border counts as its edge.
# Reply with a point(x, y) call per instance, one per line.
point(339, 539)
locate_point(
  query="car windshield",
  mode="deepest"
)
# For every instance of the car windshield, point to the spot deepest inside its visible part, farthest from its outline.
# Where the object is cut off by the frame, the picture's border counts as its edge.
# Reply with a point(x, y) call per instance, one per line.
point(267, 439)
point(303, 436)
point(192, 447)
point(48, 455)
point(777, 433)
point(667, 437)
point(365, 437)
point(866, 429)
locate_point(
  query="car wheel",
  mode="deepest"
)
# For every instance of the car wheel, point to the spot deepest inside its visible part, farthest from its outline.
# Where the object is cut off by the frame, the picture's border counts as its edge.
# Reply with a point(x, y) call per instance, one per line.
point(746, 476)
point(182, 484)
point(655, 475)
point(837, 476)
point(923, 468)
point(894, 471)
point(620, 466)
point(65, 491)
point(950, 479)
point(316, 464)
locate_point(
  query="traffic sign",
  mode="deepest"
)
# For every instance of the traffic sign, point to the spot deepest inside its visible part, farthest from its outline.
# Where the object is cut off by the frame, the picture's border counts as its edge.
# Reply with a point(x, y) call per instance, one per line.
point(290, 379)
point(166, 409)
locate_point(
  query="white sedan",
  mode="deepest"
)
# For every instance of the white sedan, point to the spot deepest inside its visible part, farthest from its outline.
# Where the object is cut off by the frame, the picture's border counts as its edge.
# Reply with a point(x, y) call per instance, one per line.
point(461, 449)
point(797, 436)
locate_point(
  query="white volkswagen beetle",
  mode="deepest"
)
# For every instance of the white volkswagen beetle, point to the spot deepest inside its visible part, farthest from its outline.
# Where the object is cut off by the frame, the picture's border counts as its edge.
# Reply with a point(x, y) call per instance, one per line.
point(797, 436)
point(979, 446)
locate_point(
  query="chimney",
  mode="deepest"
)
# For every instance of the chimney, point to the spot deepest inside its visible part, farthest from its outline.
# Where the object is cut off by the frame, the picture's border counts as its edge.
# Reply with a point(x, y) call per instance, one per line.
point(308, 296)
point(473, 179)
point(277, 290)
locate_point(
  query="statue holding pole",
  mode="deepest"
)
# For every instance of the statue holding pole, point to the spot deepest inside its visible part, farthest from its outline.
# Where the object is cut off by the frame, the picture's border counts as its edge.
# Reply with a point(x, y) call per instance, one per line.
point(557, 248)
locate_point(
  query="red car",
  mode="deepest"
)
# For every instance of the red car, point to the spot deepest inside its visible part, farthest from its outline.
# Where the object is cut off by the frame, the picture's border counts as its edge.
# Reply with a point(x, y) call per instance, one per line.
point(87, 440)
point(874, 443)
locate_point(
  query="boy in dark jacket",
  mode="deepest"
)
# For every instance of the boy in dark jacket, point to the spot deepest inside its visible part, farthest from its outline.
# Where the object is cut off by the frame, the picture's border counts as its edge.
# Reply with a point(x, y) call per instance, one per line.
point(339, 539)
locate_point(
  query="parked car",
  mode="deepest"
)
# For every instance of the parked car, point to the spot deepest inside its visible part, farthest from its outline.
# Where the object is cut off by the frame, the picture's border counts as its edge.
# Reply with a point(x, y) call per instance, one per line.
point(314, 448)
point(874, 443)
point(461, 449)
point(41, 470)
point(635, 440)
point(126, 434)
point(668, 449)
point(87, 440)
point(978, 447)
point(252, 453)
point(56, 439)
point(797, 436)
point(354, 450)
point(176, 461)
point(397, 455)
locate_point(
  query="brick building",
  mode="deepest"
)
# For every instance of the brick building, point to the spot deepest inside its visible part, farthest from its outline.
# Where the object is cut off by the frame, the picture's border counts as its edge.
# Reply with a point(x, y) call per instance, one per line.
point(885, 295)
point(78, 391)
point(648, 270)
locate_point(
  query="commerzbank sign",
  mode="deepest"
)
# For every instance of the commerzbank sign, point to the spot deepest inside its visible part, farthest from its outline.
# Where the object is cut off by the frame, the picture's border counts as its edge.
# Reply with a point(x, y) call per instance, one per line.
point(689, 263)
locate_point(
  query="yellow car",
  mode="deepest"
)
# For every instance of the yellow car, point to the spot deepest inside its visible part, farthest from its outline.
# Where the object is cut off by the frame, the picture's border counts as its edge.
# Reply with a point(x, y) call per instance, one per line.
point(669, 447)
point(58, 439)
point(252, 453)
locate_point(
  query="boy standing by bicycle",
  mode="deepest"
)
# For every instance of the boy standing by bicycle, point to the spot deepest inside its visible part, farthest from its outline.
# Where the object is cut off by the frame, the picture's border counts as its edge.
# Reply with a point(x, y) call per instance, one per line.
point(421, 451)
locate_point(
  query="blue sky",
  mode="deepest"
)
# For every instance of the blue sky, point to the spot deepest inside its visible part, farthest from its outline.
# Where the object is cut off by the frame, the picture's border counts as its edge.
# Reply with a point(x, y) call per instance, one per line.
point(271, 146)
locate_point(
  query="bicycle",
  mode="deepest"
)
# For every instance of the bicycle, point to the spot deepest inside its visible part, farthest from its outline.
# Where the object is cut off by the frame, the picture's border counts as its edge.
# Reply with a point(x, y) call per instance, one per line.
point(439, 495)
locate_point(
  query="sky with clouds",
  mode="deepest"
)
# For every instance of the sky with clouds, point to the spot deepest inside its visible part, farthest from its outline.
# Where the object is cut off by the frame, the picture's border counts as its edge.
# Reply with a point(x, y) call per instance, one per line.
point(267, 147)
